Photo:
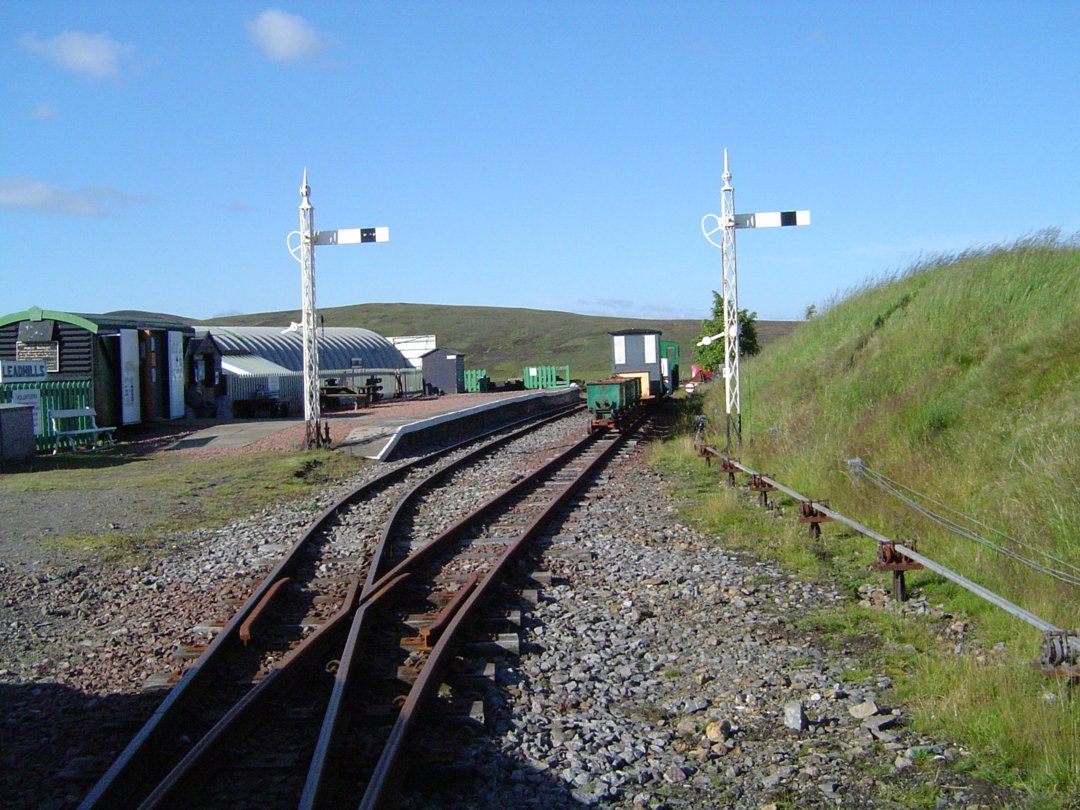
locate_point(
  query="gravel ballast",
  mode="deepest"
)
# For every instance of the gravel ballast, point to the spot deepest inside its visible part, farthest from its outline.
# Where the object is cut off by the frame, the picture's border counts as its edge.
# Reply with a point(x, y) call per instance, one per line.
point(657, 670)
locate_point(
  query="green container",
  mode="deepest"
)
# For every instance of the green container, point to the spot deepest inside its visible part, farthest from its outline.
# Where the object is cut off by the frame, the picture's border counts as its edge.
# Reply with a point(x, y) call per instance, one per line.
point(52, 396)
point(606, 398)
point(536, 377)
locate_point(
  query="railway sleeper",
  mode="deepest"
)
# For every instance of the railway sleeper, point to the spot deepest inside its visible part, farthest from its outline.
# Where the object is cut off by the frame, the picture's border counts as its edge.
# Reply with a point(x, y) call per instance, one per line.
point(160, 680)
point(492, 540)
point(210, 628)
point(499, 644)
point(533, 578)
point(570, 555)
point(455, 577)
point(492, 551)
point(459, 711)
point(473, 643)
point(456, 710)
point(189, 652)
point(528, 597)
point(457, 681)
point(477, 644)
point(508, 596)
point(419, 621)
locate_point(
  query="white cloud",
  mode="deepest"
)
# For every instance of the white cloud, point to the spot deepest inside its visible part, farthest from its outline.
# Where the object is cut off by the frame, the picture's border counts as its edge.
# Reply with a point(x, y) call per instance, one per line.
point(28, 194)
point(285, 37)
point(98, 56)
point(43, 111)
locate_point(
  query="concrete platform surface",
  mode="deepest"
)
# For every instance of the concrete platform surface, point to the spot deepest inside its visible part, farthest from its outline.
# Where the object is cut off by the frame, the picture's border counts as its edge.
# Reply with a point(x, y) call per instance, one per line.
point(237, 433)
point(390, 426)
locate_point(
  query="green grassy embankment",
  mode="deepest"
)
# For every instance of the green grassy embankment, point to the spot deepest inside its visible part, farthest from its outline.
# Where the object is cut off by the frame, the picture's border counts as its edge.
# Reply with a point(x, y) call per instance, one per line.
point(960, 380)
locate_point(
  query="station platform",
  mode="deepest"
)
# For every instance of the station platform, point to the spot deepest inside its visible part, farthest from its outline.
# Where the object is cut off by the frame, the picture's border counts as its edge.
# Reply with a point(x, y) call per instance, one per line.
point(392, 428)
point(395, 432)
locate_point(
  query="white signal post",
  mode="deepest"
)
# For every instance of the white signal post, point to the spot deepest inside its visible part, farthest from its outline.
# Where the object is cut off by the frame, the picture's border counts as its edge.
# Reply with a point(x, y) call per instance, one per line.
point(727, 223)
point(304, 252)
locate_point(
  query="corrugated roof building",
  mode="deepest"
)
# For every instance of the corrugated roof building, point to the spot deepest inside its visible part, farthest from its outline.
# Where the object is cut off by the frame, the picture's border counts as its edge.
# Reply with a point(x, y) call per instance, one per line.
point(340, 347)
point(268, 361)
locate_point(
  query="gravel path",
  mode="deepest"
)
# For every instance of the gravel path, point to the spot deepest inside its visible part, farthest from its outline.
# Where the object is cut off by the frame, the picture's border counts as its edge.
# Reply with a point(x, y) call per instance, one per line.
point(657, 671)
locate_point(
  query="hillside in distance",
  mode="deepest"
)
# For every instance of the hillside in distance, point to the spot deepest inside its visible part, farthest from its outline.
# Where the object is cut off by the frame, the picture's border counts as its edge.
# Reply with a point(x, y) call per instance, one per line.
point(504, 340)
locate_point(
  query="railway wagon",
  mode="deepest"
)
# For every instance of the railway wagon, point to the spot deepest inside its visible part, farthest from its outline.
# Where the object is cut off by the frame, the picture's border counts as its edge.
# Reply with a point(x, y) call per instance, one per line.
point(612, 401)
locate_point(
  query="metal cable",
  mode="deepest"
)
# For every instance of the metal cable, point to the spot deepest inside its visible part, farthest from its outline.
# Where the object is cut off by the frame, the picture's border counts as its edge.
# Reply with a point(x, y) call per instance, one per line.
point(910, 553)
point(894, 488)
point(960, 530)
point(976, 522)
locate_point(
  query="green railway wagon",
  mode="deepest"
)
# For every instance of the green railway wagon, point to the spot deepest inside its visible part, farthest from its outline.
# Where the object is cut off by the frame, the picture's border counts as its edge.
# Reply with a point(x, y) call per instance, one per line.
point(610, 402)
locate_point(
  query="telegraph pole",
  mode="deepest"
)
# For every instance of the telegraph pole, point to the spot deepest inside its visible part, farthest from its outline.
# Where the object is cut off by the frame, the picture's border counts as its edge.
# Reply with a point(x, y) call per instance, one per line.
point(304, 252)
point(727, 223)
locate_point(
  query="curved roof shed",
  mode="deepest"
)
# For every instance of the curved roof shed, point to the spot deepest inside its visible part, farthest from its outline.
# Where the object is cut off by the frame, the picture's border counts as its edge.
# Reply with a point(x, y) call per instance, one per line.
point(338, 346)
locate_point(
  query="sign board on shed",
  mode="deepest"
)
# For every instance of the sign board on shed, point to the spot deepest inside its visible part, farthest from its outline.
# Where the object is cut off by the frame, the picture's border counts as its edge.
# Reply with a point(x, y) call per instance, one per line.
point(31, 397)
point(130, 403)
point(13, 371)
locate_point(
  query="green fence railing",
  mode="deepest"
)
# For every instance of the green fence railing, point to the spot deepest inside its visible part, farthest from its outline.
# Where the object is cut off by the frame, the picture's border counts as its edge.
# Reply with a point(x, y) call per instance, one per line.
point(477, 381)
point(51, 396)
point(546, 376)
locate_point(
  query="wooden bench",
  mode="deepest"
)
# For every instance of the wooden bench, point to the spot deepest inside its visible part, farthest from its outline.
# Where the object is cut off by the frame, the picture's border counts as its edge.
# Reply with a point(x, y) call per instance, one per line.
point(77, 426)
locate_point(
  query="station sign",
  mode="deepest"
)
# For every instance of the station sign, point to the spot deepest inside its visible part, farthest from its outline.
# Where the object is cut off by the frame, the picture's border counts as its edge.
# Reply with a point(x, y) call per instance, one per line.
point(14, 371)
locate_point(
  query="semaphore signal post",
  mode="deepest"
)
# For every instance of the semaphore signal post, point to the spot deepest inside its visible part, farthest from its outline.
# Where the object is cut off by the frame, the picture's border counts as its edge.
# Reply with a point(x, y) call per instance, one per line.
point(304, 252)
point(727, 223)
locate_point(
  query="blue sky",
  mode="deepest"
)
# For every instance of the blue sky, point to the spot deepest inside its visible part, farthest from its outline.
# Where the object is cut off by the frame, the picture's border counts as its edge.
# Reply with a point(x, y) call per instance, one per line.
point(545, 155)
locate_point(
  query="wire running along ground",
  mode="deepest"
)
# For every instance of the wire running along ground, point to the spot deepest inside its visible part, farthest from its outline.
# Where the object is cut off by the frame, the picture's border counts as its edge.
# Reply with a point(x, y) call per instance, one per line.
point(955, 522)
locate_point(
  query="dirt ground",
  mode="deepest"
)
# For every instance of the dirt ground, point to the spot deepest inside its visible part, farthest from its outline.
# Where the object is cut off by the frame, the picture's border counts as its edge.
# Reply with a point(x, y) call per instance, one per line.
point(29, 519)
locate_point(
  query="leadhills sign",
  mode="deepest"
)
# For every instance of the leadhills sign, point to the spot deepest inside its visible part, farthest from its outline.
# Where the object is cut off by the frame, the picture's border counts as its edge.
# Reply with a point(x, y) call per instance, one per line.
point(13, 371)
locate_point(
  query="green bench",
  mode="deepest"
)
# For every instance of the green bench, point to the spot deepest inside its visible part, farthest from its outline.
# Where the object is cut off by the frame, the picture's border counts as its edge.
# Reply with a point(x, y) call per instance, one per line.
point(78, 426)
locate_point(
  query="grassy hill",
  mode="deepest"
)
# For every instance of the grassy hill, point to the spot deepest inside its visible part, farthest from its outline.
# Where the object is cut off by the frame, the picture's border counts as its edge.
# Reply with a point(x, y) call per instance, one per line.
point(505, 340)
point(960, 382)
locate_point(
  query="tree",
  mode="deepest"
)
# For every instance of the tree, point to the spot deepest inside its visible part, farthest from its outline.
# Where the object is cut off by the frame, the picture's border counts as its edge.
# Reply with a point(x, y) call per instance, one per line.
point(712, 355)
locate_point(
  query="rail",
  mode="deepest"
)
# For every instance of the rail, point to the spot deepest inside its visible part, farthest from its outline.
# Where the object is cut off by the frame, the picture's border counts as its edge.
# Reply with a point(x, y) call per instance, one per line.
point(1061, 649)
point(385, 778)
point(129, 774)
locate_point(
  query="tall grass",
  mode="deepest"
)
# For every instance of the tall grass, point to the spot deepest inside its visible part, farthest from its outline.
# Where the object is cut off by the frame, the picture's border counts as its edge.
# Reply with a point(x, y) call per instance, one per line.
point(961, 379)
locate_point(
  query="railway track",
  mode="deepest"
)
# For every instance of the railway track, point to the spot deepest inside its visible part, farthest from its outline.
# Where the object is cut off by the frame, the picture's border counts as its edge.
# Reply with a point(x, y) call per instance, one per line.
point(309, 693)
